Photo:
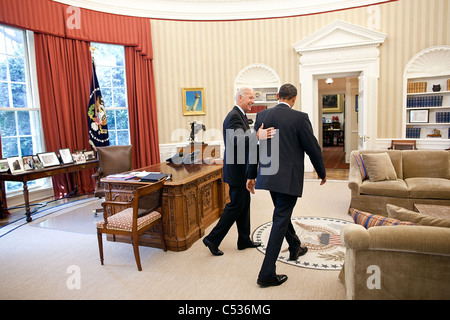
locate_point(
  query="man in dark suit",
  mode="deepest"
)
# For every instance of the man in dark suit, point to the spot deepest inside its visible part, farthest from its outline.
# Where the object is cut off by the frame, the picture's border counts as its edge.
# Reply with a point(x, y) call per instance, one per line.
point(281, 171)
point(236, 134)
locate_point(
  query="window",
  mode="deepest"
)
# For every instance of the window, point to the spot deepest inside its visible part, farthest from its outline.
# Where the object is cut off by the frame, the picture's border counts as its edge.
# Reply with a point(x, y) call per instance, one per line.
point(20, 127)
point(110, 68)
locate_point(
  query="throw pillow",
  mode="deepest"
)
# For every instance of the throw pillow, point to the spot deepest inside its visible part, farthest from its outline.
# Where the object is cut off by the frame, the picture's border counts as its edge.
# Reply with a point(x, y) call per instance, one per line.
point(362, 168)
point(379, 167)
point(368, 220)
point(416, 217)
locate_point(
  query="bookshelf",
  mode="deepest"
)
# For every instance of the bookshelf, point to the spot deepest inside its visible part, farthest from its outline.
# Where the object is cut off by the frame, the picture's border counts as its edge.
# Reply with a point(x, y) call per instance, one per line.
point(427, 97)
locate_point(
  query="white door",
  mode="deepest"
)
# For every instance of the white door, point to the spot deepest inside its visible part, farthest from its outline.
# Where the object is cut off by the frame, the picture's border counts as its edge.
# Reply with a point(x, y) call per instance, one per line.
point(362, 112)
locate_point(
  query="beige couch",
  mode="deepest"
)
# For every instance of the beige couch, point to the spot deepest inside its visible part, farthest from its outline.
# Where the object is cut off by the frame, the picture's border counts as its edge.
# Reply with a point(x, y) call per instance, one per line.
point(398, 261)
point(411, 176)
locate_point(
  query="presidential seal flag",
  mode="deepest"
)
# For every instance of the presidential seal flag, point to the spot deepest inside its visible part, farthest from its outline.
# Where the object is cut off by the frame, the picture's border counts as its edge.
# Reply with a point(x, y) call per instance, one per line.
point(97, 124)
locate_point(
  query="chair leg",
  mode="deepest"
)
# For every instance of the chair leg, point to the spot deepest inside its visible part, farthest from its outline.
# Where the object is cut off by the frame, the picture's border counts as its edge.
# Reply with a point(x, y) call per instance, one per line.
point(161, 234)
point(135, 240)
point(100, 245)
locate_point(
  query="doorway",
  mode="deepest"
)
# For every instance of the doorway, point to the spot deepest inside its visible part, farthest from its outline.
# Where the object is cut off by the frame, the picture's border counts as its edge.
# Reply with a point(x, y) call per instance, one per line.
point(338, 107)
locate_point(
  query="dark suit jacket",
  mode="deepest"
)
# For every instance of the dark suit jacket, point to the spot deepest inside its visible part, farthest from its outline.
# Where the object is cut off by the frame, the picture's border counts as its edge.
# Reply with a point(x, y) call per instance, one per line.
point(295, 138)
point(235, 135)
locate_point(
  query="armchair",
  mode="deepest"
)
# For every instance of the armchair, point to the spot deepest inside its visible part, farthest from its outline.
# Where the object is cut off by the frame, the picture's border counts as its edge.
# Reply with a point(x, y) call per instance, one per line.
point(144, 213)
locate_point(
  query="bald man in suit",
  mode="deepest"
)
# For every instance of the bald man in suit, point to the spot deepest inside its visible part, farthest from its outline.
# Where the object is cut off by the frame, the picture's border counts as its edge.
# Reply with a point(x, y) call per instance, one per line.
point(237, 136)
point(281, 171)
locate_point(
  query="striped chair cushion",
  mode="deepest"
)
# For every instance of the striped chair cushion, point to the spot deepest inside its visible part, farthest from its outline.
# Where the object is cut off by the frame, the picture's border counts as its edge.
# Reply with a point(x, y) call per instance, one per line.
point(368, 220)
point(124, 220)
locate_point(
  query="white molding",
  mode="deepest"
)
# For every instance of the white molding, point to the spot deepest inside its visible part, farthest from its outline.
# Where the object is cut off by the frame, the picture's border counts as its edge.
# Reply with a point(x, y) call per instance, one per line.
point(431, 62)
point(211, 10)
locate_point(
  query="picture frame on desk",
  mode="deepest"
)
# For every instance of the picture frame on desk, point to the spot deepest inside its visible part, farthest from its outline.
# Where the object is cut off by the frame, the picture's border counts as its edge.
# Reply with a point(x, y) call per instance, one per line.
point(419, 116)
point(15, 164)
point(49, 159)
point(4, 166)
point(66, 155)
point(79, 157)
point(37, 163)
point(89, 155)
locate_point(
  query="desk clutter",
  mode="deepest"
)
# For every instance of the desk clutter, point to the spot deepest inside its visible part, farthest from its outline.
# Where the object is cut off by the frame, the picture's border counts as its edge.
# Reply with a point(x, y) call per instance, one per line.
point(42, 160)
point(143, 176)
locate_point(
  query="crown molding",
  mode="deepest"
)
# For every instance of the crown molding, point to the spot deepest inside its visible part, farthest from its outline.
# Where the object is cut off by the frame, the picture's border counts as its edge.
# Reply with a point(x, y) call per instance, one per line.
point(216, 10)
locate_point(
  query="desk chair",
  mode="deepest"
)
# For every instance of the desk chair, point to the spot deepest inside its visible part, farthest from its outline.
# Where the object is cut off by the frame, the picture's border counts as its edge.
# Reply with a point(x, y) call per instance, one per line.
point(144, 213)
point(403, 145)
point(112, 160)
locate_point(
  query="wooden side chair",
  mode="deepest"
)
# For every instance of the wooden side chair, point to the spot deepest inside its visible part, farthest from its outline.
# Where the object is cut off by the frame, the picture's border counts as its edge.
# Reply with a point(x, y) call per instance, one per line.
point(144, 213)
point(403, 145)
point(112, 160)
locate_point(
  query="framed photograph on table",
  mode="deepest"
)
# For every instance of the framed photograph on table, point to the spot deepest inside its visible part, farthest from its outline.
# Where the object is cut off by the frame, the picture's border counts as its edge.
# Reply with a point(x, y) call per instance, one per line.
point(28, 163)
point(48, 159)
point(15, 164)
point(419, 116)
point(66, 155)
point(4, 166)
point(193, 101)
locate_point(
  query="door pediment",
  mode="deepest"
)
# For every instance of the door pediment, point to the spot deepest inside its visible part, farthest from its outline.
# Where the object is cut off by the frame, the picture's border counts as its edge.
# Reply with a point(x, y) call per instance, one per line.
point(339, 35)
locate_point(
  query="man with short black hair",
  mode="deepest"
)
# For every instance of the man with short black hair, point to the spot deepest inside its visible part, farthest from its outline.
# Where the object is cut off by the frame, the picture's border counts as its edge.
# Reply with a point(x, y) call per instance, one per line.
point(294, 138)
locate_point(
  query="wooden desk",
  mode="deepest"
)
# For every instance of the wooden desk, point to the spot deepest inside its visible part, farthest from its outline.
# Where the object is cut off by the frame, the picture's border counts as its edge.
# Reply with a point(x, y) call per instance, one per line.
point(38, 174)
point(193, 199)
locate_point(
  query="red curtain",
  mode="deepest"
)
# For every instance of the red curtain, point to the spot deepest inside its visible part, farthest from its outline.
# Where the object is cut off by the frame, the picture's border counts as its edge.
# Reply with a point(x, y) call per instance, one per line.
point(64, 73)
point(142, 109)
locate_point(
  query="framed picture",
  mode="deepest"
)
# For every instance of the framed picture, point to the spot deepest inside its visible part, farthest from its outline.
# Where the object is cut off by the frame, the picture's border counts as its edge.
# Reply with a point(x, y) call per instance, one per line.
point(332, 103)
point(193, 101)
point(271, 97)
point(37, 163)
point(15, 164)
point(48, 159)
point(79, 157)
point(28, 163)
point(4, 166)
point(66, 155)
point(418, 116)
point(89, 155)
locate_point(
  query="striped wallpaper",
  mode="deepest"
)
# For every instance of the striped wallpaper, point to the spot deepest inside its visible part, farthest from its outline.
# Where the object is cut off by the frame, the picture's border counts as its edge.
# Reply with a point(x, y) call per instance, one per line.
point(211, 54)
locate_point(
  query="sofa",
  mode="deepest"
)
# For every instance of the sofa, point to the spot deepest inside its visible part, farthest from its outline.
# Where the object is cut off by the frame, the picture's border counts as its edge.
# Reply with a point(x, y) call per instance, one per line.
point(399, 177)
point(403, 256)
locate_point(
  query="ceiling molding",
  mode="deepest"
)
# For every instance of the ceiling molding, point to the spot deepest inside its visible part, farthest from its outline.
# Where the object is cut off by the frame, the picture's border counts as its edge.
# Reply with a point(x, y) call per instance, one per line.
point(216, 10)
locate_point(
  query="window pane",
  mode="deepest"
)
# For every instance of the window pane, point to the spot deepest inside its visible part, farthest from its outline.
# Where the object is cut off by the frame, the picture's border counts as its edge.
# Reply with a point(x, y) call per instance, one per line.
point(118, 77)
point(26, 146)
point(111, 116)
point(17, 69)
point(14, 40)
point(3, 68)
point(123, 137)
point(10, 147)
point(4, 95)
point(122, 119)
point(104, 77)
point(120, 98)
point(7, 124)
point(19, 95)
point(25, 124)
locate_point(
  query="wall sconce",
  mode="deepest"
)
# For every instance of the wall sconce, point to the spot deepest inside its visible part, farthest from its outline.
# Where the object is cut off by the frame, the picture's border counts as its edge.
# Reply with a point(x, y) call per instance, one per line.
point(329, 81)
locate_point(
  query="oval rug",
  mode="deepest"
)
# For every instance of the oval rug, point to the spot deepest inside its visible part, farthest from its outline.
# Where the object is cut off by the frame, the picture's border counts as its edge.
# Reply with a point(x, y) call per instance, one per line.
point(320, 235)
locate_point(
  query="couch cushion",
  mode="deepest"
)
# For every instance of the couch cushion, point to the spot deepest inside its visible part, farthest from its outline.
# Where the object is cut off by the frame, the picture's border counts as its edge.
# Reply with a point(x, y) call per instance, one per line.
point(379, 167)
point(426, 163)
point(387, 188)
point(368, 220)
point(396, 159)
point(400, 213)
point(428, 188)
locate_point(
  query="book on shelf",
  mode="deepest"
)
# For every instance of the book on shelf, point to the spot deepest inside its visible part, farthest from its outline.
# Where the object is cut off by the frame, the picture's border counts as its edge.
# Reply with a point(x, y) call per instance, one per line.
point(257, 108)
point(424, 102)
point(413, 133)
point(417, 87)
point(442, 117)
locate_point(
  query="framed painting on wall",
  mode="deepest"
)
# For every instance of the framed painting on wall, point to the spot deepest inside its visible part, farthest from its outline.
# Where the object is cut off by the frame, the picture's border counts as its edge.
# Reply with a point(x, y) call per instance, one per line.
point(193, 101)
point(332, 103)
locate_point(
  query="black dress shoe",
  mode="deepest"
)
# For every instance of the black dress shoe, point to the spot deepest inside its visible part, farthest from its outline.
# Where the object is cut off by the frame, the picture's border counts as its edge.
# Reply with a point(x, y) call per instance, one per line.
point(248, 245)
point(212, 247)
point(279, 279)
point(300, 251)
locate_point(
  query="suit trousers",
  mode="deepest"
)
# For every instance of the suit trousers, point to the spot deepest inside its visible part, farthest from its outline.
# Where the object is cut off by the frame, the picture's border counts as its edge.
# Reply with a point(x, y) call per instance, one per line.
point(281, 228)
point(237, 210)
